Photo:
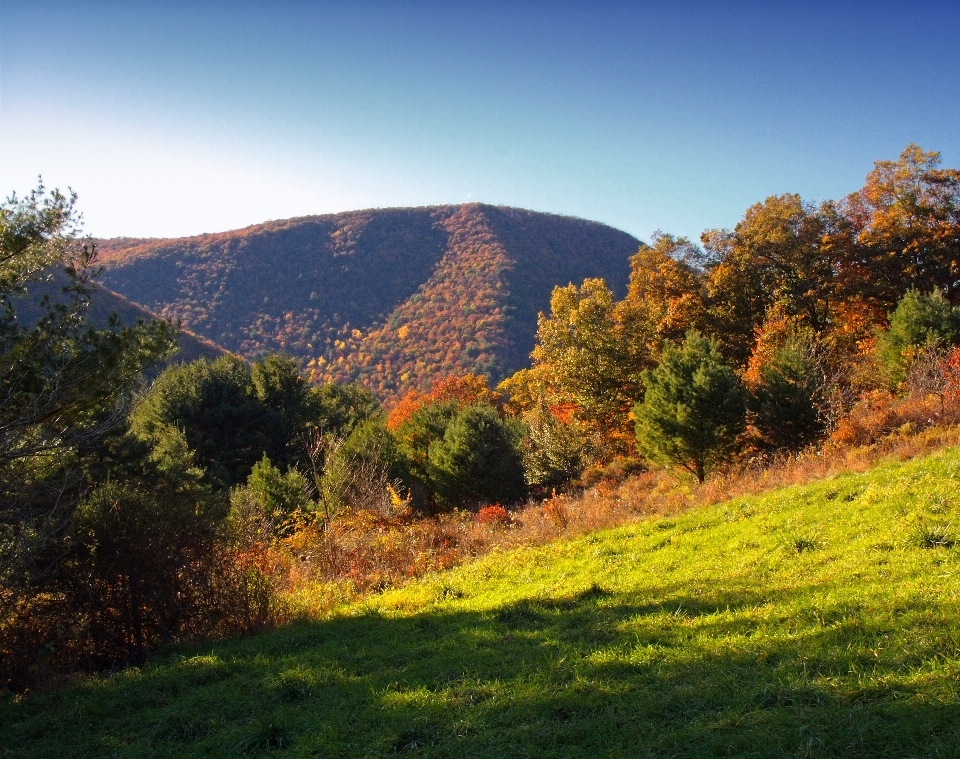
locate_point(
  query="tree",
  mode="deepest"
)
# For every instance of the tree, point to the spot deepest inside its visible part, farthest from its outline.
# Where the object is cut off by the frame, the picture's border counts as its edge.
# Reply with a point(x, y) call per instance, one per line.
point(555, 450)
point(693, 410)
point(784, 252)
point(64, 383)
point(787, 392)
point(339, 408)
point(477, 460)
point(589, 355)
point(908, 216)
point(665, 289)
point(279, 497)
point(919, 321)
point(214, 402)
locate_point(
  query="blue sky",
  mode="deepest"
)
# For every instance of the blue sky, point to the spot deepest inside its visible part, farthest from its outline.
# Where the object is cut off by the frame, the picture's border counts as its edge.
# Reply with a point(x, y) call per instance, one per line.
point(173, 118)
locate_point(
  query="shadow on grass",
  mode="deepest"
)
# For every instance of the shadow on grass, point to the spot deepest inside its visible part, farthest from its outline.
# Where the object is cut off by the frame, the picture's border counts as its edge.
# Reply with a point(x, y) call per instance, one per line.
point(594, 674)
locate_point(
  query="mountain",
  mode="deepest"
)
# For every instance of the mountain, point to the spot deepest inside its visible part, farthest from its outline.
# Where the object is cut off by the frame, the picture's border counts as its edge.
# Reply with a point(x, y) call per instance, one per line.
point(103, 304)
point(192, 346)
point(390, 297)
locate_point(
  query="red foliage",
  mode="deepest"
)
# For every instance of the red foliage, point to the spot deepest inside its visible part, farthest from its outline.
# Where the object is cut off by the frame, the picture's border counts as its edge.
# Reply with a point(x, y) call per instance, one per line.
point(493, 515)
point(466, 390)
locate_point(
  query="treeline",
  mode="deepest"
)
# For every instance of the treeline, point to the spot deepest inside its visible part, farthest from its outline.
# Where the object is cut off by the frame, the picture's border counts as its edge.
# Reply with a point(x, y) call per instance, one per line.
point(138, 514)
point(756, 342)
point(135, 515)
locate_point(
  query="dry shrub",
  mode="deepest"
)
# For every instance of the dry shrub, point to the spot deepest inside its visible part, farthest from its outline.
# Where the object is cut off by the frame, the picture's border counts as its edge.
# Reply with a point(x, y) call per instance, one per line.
point(932, 399)
point(494, 515)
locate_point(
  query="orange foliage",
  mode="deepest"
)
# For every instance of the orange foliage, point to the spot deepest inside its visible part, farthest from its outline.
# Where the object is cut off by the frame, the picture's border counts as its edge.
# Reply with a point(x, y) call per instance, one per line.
point(769, 336)
point(467, 390)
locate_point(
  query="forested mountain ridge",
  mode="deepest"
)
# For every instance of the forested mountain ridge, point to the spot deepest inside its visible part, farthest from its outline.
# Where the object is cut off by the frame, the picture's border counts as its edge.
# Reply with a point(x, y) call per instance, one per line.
point(104, 303)
point(391, 297)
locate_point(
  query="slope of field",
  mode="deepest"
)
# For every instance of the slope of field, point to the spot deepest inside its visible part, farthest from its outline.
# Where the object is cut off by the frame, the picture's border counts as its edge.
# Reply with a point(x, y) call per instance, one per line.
point(394, 298)
point(811, 621)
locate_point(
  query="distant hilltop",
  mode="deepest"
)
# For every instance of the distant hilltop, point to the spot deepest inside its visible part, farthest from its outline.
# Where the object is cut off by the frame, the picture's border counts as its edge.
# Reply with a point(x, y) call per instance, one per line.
point(393, 298)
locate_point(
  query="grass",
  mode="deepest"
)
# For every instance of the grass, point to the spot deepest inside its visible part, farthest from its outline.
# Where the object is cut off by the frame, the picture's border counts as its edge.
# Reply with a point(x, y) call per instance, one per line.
point(816, 620)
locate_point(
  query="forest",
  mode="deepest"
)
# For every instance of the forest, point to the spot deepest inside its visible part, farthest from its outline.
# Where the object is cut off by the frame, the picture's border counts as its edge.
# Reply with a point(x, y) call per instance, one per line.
point(392, 298)
point(223, 496)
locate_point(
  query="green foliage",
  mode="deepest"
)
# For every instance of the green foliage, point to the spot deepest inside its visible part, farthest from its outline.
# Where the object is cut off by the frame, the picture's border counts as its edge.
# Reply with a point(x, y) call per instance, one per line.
point(918, 322)
point(279, 496)
point(340, 408)
point(233, 414)
point(785, 406)
point(693, 410)
point(215, 405)
point(425, 426)
point(477, 460)
point(371, 443)
point(64, 384)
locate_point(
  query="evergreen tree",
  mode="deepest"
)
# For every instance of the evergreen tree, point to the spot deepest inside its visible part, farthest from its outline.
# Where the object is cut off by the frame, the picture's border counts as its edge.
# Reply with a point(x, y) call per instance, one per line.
point(919, 321)
point(785, 403)
point(477, 460)
point(693, 408)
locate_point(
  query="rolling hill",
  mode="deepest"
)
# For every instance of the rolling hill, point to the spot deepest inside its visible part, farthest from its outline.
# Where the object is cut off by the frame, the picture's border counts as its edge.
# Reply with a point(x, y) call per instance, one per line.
point(810, 621)
point(393, 298)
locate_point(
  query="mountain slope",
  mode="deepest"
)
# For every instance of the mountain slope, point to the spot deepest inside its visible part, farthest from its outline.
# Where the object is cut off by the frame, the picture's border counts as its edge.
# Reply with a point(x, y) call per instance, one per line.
point(391, 297)
point(192, 346)
point(105, 303)
point(809, 621)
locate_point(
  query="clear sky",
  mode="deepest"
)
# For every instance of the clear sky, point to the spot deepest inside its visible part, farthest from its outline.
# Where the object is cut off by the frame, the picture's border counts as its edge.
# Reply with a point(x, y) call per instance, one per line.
point(176, 118)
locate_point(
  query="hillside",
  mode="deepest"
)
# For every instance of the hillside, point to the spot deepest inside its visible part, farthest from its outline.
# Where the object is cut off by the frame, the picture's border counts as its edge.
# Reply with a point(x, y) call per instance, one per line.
point(810, 621)
point(192, 346)
point(104, 303)
point(392, 297)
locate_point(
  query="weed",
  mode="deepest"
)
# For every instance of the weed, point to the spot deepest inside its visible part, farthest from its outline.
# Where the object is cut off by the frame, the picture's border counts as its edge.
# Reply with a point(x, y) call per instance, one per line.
point(804, 543)
point(932, 536)
point(265, 736)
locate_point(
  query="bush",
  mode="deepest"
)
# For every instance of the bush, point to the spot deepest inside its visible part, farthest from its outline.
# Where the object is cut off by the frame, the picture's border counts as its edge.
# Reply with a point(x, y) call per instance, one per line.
point(148, 558)
point(272, 503)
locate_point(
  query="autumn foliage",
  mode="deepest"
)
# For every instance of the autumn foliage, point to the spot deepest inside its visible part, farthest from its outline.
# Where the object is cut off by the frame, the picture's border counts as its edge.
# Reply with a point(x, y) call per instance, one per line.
point(394, 298)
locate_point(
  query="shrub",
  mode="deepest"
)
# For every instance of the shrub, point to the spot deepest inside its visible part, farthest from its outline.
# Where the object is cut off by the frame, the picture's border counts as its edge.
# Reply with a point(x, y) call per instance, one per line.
point(493, 515)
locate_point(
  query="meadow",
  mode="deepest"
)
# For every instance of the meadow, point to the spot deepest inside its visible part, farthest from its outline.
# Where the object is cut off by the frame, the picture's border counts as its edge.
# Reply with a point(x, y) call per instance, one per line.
point(812, 620)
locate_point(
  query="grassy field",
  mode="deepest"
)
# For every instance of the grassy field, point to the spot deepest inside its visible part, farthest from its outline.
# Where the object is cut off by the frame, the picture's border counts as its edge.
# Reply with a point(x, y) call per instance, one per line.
point(811, 621)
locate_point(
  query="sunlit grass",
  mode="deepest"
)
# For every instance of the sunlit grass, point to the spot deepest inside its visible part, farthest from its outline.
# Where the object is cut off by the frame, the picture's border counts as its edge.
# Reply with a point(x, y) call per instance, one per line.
point(810, 621)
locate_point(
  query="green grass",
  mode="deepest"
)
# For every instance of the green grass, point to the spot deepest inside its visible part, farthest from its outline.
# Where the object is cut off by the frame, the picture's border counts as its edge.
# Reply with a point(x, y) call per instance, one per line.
point(811, 621)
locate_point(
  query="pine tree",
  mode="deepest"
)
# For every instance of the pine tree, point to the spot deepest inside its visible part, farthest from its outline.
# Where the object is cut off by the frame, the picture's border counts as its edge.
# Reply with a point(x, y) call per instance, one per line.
point(693, 408)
